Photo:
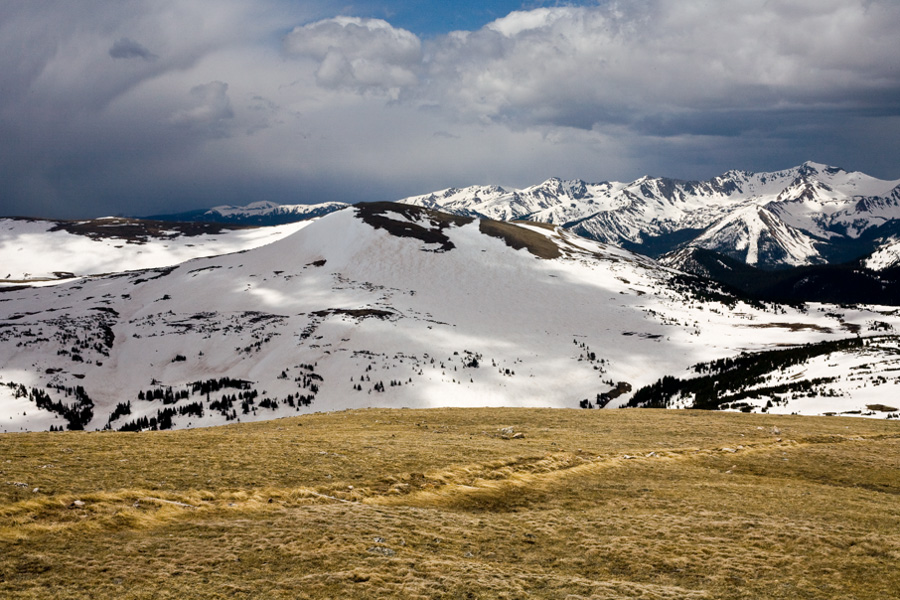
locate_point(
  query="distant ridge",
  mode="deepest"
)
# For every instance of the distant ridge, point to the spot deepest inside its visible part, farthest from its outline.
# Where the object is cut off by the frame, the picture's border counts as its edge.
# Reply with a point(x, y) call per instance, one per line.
point(812, 214)
point(260, 213)
point(806, 215)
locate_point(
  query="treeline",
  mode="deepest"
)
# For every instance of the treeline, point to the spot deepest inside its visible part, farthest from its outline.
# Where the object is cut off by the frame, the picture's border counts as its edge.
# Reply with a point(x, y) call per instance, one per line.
point(214, 385)
point(730, 379)
point(623, 387)
point(165, 394)
point(163, 418)
point(122, 409)
point(245, 401)
point(77, 414)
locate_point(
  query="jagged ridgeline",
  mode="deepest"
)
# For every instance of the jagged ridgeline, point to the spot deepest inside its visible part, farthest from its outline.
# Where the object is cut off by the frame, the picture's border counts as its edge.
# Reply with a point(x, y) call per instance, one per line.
point(807, 215)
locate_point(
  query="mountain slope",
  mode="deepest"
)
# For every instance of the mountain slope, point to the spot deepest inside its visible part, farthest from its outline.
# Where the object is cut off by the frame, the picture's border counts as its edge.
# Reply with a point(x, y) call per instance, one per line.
point(384, 305)
point(810, 214)
point(35, 251)
point(843, 284)
point(885, 257)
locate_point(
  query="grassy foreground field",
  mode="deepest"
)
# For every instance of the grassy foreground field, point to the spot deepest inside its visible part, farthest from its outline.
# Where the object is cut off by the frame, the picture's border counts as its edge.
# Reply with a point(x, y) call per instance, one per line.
point(443, 504)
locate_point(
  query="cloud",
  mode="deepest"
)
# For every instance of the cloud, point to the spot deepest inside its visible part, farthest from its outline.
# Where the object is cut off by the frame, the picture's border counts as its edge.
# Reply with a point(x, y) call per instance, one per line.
point(210, 108)
point(639, 64)
point(580, 66)
point(359, 54)
point(128, 48)
point(280, 100)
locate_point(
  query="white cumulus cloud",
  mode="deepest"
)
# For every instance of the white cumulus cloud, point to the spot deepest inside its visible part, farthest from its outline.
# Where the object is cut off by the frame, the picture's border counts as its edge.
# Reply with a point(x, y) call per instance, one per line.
point(585, 65)
point(356, 53)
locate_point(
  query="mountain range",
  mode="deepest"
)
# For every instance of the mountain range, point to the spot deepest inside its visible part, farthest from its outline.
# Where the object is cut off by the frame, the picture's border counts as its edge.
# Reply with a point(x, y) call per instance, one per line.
point(812, 214)
point(398, 305)
point(807, 215)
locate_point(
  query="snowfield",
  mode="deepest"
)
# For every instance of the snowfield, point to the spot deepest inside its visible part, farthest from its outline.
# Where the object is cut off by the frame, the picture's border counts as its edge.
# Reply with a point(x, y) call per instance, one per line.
point(35, 250)
point(395, 306)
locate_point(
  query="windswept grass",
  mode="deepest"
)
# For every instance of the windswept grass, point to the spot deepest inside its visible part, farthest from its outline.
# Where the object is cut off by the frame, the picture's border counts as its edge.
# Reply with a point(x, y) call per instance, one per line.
point(518, 237)
point(443, 504)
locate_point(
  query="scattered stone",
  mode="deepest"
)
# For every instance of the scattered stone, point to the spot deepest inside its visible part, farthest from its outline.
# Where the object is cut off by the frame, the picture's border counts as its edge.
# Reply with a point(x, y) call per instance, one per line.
point(378, 540)
point(628, 457)
point(729, 450)
point(381, 550)
point(509, 433)
point(651, 455)
point(35, 490)
point(77, 504)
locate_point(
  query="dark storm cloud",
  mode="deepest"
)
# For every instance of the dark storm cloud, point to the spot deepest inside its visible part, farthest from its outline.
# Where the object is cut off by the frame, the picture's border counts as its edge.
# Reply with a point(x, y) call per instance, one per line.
point(229, 101)
point(128, 48)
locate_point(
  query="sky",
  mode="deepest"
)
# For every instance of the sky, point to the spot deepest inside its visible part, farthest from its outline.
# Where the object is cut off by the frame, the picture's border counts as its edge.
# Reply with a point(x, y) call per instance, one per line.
point(141, 107)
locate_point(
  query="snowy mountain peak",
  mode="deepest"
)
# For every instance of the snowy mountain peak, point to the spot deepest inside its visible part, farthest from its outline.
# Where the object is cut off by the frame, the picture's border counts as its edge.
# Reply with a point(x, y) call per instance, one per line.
point(811, 167)
point(816, 168)
point(815, 213)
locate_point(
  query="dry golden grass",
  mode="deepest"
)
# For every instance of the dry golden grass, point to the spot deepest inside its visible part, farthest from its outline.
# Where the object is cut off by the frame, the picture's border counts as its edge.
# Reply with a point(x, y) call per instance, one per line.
point(519, 237)
point(441, 504)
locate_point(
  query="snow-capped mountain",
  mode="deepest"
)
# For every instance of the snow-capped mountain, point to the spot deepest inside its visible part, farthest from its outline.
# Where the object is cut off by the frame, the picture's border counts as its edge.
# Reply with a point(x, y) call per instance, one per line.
point(395, 305)
point(256, 213)
point(887, 256)
point(811, 214)
point(34, 251)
